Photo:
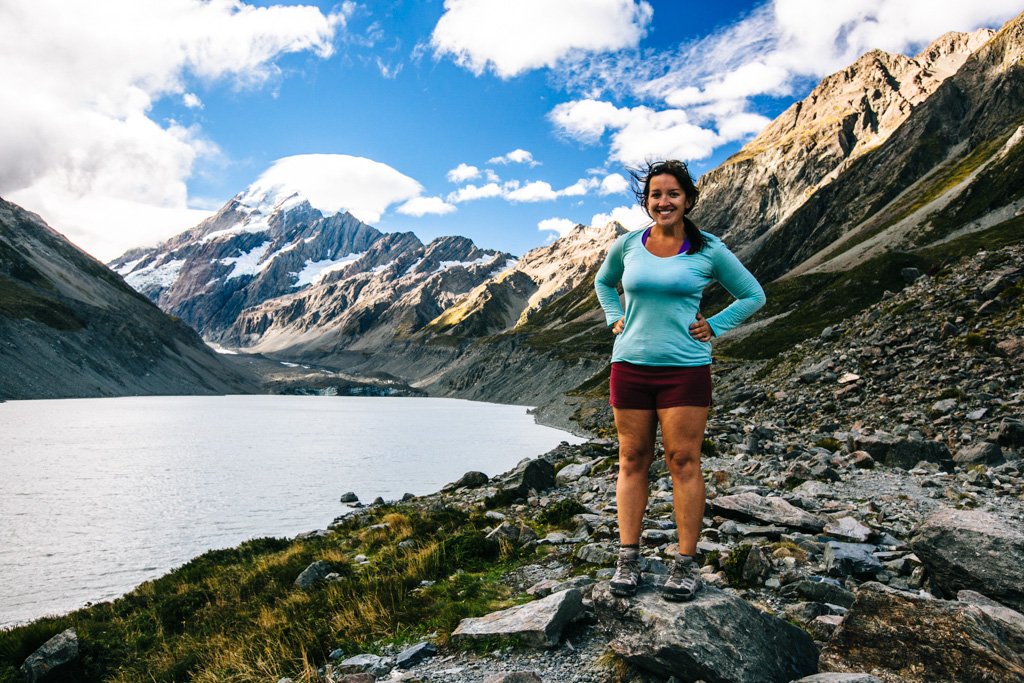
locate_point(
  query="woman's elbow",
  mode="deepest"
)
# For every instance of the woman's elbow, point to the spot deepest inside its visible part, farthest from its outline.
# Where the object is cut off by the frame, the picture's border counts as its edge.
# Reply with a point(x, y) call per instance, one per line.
point(759, 297)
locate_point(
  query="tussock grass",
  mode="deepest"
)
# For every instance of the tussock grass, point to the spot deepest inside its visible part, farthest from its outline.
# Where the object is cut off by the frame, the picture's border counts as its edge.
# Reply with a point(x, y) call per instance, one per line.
point(235, 615)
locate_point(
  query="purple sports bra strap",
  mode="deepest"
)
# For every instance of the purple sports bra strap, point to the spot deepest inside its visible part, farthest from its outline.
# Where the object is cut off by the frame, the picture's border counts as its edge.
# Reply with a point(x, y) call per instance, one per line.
point(683, 248)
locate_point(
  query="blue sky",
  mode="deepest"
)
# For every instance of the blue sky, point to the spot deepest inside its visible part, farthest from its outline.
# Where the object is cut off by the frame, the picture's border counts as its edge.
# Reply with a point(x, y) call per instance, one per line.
point(505, 121)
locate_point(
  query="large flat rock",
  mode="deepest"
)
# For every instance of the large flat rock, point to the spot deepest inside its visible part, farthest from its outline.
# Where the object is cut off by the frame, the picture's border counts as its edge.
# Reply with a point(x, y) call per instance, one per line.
point(716, 638)
point(766, 509)
point(538, 623)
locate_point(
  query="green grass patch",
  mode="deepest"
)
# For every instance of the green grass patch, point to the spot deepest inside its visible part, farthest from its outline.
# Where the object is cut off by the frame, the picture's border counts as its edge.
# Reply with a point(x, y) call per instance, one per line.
point(560, 514)
point(234, 615)
point(829, 444)
point(733, 563)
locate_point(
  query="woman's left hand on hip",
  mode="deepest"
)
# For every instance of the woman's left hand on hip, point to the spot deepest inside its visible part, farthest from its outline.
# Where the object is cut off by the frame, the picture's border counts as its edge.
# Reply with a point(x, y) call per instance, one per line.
point(700, 329)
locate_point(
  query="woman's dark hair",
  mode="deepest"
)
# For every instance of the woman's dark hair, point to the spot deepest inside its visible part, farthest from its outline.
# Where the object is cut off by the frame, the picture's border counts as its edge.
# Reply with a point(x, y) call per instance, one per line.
point(679, 171)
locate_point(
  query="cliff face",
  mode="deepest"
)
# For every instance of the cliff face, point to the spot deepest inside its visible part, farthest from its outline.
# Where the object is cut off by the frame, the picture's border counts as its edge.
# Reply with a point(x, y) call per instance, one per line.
point(815, 141)
point(69, 327)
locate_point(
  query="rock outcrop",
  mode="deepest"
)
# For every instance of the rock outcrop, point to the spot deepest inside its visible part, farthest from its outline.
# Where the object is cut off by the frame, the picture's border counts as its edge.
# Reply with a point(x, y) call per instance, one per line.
point(717, 638)
point(938, 640)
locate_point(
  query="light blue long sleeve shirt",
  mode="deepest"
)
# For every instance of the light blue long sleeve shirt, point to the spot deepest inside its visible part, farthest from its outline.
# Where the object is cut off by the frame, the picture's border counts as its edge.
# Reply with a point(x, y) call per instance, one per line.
point(663, 296)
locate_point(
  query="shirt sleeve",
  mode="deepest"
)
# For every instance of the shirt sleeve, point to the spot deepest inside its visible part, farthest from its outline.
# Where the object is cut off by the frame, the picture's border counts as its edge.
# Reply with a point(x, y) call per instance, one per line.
point(607, 281)
point(739, 282)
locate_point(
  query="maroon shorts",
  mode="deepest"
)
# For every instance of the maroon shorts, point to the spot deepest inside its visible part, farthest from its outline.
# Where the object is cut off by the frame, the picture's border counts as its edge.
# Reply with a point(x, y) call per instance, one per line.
point(646, 387)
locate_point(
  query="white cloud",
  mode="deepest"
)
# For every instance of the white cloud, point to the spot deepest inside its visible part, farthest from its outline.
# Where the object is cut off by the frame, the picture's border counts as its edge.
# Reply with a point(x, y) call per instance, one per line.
point(337, 182)
point(631, 217)
point(639, 134)
point(580, 187)
point(420, 206)
point(389, 71)
point(516, 156)
point(741, 125)
point(514, 191)
point(192, 101)
point(462, 173)
point(562, 226)
point(613, 183)
point(510, 38)
point(587, 120)
point(471, 192)
point(80, 80)
point(537, 191)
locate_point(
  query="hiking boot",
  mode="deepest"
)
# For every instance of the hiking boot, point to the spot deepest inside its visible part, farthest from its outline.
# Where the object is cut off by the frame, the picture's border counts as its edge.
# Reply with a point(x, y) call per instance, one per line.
point(627, 572)
point(684, 581)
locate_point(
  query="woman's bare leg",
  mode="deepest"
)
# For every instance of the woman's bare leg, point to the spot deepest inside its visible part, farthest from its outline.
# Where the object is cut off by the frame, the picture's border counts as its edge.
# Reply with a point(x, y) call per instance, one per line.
point(682, 432)
point(636, 429)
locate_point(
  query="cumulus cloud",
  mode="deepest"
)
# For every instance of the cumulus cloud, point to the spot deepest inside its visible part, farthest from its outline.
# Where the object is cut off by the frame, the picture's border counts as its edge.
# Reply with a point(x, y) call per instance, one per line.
point(537, 191)
point(638, 134)
point(510, 38)
point(561, 226)
point(613, 183)
point(81, 78)
point(514, 191)
point(421, 206)
point(192, 101)
point(339, 182)
point(699, 95)
point(631, 217)
point(471, 192)
point(462, 173)
point(516, 156)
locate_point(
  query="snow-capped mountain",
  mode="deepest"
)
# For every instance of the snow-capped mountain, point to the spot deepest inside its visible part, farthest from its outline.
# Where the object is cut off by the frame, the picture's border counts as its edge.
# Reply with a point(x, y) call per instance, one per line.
point(392, 290)
point(271, 242)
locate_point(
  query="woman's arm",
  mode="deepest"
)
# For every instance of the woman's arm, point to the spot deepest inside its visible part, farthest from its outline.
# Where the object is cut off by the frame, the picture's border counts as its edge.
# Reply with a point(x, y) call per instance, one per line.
point(607, 281)
point(738, 281)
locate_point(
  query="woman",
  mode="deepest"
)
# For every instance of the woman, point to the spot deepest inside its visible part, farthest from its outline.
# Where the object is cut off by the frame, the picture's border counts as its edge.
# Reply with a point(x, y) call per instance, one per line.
point(661, 361)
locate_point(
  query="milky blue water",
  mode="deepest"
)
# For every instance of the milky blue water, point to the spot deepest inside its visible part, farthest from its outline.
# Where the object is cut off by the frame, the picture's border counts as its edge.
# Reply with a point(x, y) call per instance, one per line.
point(99, 495)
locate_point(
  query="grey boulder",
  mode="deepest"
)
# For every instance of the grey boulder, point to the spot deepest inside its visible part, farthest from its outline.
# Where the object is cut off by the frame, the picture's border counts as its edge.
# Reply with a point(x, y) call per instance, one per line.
point(905, 453)
point(983, 453)
point(537, 623)
point(56, 652)
point(973, 550)
point(851, 559)
point(313, 574)
point(717, 638)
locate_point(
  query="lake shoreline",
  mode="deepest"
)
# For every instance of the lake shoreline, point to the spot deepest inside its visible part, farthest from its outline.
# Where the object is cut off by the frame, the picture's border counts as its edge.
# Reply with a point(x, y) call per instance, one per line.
point(138, 477)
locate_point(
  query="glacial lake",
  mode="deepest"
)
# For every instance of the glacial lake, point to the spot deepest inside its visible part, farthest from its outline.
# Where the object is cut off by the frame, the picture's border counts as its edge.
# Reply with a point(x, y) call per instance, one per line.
point(99, 495)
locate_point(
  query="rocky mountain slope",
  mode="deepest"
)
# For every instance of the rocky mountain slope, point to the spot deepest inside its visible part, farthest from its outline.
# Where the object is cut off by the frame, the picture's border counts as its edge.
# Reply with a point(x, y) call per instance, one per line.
point(953, 165)
point(69, 327)
point(814, 141)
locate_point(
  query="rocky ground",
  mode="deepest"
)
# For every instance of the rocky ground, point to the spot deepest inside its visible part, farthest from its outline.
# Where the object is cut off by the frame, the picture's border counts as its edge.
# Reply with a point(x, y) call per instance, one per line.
point(867, 487)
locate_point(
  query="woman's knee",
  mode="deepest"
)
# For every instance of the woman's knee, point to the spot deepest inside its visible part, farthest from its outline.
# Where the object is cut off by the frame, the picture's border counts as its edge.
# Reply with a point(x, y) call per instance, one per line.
point(634, 460)
point(683, 464)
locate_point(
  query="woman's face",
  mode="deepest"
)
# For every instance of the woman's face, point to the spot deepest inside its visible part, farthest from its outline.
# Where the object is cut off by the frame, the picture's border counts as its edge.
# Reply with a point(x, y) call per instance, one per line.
point(666, 201)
